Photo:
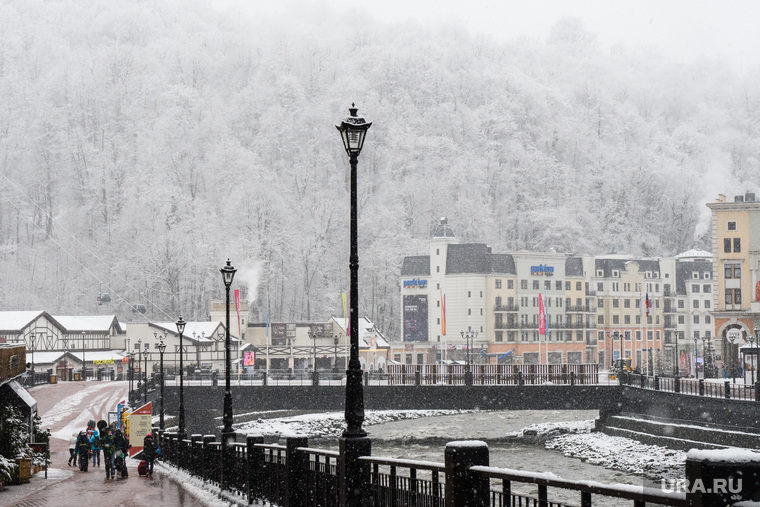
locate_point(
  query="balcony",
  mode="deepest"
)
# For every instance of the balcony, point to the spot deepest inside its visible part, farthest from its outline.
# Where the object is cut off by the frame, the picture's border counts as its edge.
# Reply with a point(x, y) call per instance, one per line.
point(506, 308)
point(580, 309)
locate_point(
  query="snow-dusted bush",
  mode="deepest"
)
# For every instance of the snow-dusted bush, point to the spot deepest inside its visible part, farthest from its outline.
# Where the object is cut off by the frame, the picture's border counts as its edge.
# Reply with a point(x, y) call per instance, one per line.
point(14, 436)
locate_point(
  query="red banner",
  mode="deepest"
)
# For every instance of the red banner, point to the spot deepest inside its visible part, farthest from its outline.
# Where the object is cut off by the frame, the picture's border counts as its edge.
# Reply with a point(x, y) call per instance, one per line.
point(541, 315)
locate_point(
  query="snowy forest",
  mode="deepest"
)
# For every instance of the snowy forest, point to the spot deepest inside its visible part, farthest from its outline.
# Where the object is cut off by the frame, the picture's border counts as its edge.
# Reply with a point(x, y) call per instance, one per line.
point(144, 143)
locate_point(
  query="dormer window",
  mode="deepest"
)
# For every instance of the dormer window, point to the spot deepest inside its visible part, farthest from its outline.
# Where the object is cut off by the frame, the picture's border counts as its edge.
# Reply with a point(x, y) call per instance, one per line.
point(615, 273)
point(600, 273)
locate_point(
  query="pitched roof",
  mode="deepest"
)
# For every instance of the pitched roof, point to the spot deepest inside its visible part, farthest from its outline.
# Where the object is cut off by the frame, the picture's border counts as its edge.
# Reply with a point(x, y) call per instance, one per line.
point(416, 266)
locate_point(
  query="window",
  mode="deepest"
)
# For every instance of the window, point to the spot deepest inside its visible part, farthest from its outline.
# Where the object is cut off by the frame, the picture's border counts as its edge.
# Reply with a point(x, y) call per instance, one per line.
point(600, 286)
point(616, 303)
point(707, 303)
point(498, 283)
point(626, 303)
point(615, 286)
point(708, 320)
point(638, 319)
point(481, 293)
point(510, 284)
point(696, 319)
point(578, 285)
point(706, 288)
point(731, 225)
point(567, 285)
point(680, 303)
point(558, 285)
point(535, 284)
point(615, 273)
point(469, 311)
point(599, 273)
point(695, 303)
point(523, 284)
point(626, 319)
point(600, 319)
point(499, 336)
point(600, 303)
point(438, 304)
point(616, 319)
point(737, 245)
point(438, 251)
point(695, 275)
point(638, 335)
point(438, 269)
point(600, 335)
point(547, 285)
point(727, 245)
point(732, 270)
point(706, 276)
point(481, 311)
point(680, 319)
point(695, 287)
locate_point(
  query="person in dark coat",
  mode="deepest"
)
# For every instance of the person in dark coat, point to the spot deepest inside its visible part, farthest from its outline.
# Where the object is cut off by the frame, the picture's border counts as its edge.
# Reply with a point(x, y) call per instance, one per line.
point(83, 448)
point(149, 453)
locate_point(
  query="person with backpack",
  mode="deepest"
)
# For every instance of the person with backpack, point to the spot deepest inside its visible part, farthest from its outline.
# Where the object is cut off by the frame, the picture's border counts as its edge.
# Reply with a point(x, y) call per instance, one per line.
point(109, 451)
point(95, 445)
point(83, 448)
point(73, 448)
point(122, 448)
point(149, 453)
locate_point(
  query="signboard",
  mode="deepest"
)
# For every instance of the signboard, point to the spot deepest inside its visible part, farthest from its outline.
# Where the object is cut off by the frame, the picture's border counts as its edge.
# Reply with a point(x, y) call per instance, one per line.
point(139, 427)
point(415, 283)
point(415, 318)
point(542, 269)
point(249, 359)
point(113, 417)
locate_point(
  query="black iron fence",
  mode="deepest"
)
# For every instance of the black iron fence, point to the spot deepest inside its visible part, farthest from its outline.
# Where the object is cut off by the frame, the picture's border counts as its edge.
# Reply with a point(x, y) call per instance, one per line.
point(493, 374)
point(295, 474)
point(696, 387)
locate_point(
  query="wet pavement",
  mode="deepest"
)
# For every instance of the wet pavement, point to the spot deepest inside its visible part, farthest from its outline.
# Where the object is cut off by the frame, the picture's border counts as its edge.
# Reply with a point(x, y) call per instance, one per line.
point(65, 408)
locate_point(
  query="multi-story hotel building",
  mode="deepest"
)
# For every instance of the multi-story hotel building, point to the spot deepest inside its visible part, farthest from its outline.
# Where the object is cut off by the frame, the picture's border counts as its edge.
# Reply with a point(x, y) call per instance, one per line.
point(736, 248)
point(595, 308)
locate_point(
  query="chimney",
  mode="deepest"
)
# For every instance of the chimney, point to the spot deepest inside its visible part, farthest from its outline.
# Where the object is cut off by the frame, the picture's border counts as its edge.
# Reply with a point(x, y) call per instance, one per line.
point(738, 198)
point(749, 197)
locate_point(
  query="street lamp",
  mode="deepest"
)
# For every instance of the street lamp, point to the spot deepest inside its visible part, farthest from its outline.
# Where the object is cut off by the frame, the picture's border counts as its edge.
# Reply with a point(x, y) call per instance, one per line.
point(139, 365)
point(731, 365)
point(675, 360)
point(335, 359)
point(32, 346)
point(145, 380)
point(354, 442)
point(84, 360)
point(131, 356)
point(314, 374)
point(228, 273)
point(469, 335)
point(181, 329)
point(753, 338)
point(704, 357)
point(65, 358)
point(161, 349)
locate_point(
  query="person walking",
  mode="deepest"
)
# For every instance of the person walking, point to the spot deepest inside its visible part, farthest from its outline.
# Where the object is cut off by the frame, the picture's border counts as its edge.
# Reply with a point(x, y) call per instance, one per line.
point(83, 448)
point(73, 448)
point(109, 453)
point(95, 444)
point(149, 453)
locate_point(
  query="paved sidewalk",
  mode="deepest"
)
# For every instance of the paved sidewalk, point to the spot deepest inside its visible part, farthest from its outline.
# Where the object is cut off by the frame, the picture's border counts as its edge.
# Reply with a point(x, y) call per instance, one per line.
point(65, 408)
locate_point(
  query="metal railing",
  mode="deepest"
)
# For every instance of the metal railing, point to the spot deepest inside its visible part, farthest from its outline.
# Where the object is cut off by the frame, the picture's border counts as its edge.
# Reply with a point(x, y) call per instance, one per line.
point(295, 474)
point(711, 388)
point(493, 374)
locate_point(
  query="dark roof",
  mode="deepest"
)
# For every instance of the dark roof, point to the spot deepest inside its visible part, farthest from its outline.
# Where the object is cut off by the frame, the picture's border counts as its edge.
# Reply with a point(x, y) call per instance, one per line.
point(416, 266)
point(573, 266)
point(685, 271)
point(477, 258)
point(443, 230)
point(608, 265)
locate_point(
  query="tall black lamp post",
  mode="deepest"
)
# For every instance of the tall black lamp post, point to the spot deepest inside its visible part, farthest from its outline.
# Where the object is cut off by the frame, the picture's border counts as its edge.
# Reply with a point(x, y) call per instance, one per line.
point(161, 349)
point(84, 359)
point(181, 329)
point(469, 335)
point(314, 374)
point(139, 365)
point(228, 273)
point(354, 442)
point(131, 356)
point(145, 374)
point(335, 358)
point(32, 346)
point(675, 360)
point(753, 339)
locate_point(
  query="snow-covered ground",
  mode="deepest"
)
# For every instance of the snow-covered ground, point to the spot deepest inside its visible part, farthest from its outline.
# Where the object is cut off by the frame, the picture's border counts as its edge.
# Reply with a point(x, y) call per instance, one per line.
point(577, 439)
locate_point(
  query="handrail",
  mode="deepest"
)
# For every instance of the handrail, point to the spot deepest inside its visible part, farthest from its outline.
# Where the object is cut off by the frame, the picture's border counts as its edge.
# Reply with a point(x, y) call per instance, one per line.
point(626, 491)
point(407, 463)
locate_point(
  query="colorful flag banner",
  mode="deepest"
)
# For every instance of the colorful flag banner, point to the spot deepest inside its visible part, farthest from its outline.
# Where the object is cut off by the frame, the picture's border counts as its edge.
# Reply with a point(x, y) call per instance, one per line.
point(443, 313)
point(237, 307)
point(541, 316)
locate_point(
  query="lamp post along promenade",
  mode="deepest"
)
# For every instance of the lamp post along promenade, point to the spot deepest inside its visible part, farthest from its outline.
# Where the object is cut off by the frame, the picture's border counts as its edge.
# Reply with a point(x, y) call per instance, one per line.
point(161, 349)
point(354, 442)
point(181, 329)
point(228, 435)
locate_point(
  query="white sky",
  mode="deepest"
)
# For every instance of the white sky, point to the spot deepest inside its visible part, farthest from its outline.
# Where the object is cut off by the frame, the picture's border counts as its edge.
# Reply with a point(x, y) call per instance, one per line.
point(685, 29)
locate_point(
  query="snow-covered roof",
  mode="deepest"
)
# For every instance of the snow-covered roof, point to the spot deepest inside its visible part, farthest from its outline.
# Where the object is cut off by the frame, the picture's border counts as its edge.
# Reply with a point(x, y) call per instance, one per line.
point(16, 321)
point(53, 356)
point(367, 331)
point(90, 323)
point(204, 330)
point(694, 254)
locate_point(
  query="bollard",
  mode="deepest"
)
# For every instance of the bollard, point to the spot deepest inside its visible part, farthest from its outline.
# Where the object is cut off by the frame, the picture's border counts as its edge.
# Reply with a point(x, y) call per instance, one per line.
point(676, 384)
point(716, 478)
point(207, 458)
point(254, 467)
point(366, 378)
point(520, 379)
point(701, 387)
point(354, 474)
point(656, 383)
point(464, 489)
point(757, 390)
point(727, 389)
point(572, 378)
point(417, 377)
